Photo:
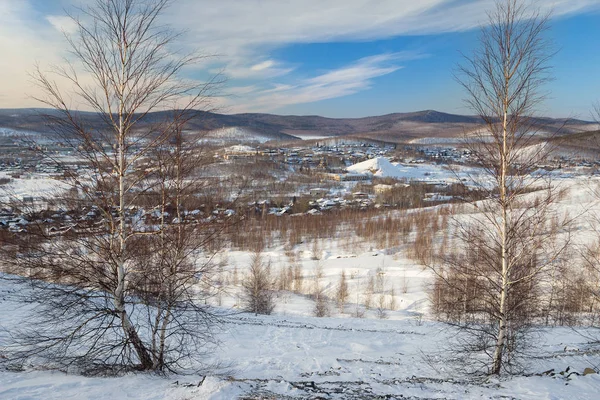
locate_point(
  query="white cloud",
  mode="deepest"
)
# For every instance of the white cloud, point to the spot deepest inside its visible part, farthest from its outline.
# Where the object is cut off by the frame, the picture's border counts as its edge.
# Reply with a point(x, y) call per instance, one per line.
point(263, 65)
point(233, 27)
point(243, 68)
point(62, 23)
point(244, 34)
point(23, 43)
point(344, 81)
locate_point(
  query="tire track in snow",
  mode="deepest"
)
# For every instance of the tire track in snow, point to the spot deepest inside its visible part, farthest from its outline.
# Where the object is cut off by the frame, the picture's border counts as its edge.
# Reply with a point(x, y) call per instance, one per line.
point(297, 325)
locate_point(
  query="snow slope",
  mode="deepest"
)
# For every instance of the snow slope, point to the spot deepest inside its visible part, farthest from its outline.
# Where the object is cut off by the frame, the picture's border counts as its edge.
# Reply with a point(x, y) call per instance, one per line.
point(381, 167)
point(292, 355)
point(235, 133)
point(37, 186)
point(305, 358)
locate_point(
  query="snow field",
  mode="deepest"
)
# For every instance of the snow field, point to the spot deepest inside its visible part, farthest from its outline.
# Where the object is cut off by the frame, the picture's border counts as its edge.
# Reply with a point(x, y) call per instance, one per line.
point(301, 358)
point(292, 355)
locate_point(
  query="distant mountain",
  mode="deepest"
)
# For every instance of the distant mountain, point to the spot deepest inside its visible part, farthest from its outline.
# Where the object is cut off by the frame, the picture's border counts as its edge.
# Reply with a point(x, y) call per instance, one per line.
point(395, 127)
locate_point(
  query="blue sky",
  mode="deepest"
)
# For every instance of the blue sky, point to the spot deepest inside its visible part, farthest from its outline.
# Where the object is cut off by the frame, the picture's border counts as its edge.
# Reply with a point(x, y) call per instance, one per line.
point(428, 83)
point(338, 58)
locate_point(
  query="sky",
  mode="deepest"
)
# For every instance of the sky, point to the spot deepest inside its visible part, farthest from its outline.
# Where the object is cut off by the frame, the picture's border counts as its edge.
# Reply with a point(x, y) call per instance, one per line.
point(335, 58)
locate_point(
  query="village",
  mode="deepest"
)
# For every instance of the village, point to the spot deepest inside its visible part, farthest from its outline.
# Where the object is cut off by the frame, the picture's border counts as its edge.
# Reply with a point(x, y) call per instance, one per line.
point(320, 177)
point(300, 177)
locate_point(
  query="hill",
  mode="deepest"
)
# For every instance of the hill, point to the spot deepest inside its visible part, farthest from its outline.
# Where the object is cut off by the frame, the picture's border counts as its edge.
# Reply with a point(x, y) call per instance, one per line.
point(397, 127)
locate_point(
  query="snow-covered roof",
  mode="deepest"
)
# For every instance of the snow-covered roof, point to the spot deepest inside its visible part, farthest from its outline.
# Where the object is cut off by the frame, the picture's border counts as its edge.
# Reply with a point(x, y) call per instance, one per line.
point(240, 148)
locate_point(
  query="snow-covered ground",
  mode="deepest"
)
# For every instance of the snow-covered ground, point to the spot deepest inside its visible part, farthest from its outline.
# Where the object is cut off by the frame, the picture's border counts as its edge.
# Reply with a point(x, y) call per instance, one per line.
point(30, 185)
point(381, 167)
point(438, 141)
point(235, 133)
point(285, 357)
point(8, 132)
point(293, 355)
point(312, 137)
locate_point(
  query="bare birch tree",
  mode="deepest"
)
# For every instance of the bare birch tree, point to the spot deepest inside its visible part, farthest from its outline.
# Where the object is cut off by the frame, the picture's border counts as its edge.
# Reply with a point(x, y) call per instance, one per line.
point(258, 285)
point(591, 252)
point(102, 281)
point(490, 283)
point(342, 292)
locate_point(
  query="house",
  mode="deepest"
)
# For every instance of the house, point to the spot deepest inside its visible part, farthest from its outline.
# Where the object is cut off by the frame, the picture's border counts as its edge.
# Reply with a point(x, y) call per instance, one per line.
point(319, 192)
point(379, 189)
point(239, 152)
point(350, 177)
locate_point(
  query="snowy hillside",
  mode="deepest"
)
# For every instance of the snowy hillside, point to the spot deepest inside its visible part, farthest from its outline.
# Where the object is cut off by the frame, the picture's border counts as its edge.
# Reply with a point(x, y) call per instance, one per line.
point(298, 357)
point(236, 133)
point(391, 348)
point(381, 167)
point(36, 186)
point(351, 355)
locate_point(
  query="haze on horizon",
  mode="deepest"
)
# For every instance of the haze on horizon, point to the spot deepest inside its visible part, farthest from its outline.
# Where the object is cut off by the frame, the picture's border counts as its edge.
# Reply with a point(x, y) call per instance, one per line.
point(340, 58)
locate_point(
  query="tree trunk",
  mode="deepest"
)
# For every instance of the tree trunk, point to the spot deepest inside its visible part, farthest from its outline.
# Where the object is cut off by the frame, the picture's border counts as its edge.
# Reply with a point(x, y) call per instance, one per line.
point(119, 295)
point(504, 204)
point(501, 335)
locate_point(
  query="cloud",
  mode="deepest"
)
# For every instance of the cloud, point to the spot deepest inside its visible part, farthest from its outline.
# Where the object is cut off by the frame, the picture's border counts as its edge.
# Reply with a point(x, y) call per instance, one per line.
point(263, 65)
point(243, 68)
point(242, 32)
point(24, 41)
point(245, 34)
point(235, 27)
point(62, 23)
point(343, 81)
